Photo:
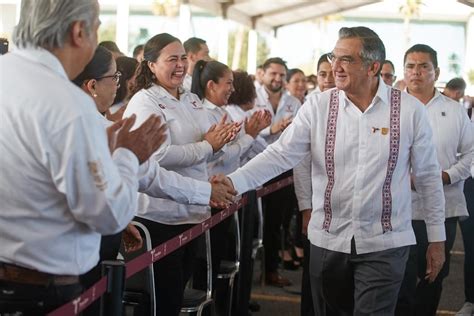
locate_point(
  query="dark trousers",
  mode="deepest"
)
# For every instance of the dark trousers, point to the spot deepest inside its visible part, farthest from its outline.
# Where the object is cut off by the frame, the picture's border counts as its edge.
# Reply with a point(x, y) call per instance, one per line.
point(173, 271)
point(422, 298)
point(307, 308)
point(109, 249)
point(277, 206)
point(356, 284)
point(467, 230)
point(34, 300)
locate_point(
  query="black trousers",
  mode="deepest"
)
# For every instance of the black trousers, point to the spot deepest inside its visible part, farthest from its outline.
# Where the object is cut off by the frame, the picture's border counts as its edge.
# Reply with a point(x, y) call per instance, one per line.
point(356, 284)
point(467, 230)
point(173, 271)
point(278, 208)
point(422, 298)
point(307, 308)
point(34, 300)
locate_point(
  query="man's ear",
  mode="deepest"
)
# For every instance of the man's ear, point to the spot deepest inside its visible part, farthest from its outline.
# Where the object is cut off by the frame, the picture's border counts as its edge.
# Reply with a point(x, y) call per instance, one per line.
point(436, 73)
point(375, 67)
point(77, 33)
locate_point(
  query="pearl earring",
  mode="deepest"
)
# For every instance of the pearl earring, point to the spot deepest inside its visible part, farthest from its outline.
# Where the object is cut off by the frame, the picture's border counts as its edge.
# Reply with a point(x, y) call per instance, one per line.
point(95, 95)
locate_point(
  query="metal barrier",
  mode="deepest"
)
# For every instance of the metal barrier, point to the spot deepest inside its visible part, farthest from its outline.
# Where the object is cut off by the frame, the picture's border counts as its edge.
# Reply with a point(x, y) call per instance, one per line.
point(107, 284)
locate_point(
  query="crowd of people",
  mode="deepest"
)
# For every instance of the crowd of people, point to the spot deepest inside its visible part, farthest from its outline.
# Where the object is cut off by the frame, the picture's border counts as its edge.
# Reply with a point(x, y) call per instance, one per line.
point(92, 139)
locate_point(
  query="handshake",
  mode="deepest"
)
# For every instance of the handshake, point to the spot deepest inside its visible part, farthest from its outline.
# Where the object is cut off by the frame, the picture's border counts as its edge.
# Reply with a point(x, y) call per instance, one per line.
point(222, 191)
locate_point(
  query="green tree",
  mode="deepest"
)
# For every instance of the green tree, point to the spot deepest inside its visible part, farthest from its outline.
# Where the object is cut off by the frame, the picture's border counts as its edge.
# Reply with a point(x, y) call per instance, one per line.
point(470, 76)
point(453, 64)
point(262, 49)
point(107, 32)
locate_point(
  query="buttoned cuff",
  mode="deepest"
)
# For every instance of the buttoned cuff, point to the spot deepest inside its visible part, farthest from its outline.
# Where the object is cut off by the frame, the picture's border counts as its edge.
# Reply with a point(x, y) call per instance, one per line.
point(266, 131)
point(202, 193)
point(304, 205)
point(436, 232)
point(239, 182)
point(454, 175)
point(125, 156)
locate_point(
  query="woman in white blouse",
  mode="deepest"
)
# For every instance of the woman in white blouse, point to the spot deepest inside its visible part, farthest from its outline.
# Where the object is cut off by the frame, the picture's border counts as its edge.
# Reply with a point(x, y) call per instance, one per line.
point(192, 141)
point(213, 83)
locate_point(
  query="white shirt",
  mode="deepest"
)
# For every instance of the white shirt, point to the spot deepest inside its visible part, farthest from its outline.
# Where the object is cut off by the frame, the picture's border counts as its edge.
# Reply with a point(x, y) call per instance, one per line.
point(184, 151)
point(287, 107)
point(259, 144)
point(158, 182)
point(187, 82)
point(360, 168)
point(454, 141)
point(60, 189)
point(229, 161)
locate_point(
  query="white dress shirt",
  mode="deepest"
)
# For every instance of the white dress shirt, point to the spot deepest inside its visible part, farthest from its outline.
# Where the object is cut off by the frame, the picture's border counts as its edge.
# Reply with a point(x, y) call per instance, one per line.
point(187, 82)
point(158, 182)
point(60, 189)
point(454, 141)
point(287, 108)
point(184, 151)
point(229, 161)
point(360, 157)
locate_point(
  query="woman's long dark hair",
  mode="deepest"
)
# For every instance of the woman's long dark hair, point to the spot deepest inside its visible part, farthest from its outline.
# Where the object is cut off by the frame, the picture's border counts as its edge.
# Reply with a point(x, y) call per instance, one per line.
point(205, 71)
point(151, 51)
point(97, 67)
point(244, 89)
point(127, 67)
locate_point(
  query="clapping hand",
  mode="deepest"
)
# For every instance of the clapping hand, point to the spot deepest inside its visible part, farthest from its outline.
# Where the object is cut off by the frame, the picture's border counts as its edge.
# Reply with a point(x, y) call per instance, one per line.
point(281, 125)
point(257, 122)
point(144, 140)
point(220, 134)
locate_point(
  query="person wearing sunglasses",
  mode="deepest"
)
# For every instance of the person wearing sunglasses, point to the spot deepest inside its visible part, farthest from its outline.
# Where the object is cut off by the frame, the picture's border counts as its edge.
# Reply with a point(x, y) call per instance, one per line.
point(388, 72)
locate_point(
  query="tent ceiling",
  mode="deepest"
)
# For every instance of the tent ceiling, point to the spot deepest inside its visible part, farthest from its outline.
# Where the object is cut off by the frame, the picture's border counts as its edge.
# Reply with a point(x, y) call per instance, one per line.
point(267, 15)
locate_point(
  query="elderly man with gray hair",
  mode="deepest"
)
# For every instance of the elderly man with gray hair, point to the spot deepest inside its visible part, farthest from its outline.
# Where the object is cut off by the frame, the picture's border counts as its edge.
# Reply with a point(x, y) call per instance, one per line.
point(61, 187)
point(364, 139)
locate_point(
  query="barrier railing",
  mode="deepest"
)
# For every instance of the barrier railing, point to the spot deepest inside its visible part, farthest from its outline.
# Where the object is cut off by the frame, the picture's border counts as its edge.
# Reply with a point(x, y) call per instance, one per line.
point(80, 303)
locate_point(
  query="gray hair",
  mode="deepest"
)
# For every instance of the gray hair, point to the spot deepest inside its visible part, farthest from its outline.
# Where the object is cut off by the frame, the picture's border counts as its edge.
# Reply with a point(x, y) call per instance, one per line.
point(373, 48)
point(46, 23)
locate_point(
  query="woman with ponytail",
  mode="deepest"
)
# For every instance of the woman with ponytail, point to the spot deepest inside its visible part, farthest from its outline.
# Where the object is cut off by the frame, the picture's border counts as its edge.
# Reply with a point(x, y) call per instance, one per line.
point(213, 83)
point(192, 142)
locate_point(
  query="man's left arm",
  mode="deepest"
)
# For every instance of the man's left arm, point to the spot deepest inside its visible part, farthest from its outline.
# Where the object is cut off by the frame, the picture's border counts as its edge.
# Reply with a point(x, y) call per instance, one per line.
point(459, 171)
point(426, 173)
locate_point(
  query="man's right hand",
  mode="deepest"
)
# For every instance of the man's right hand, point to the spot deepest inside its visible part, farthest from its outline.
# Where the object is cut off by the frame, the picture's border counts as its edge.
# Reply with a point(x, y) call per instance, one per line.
point(144, 140)
point(306, 216)
point(223, 192)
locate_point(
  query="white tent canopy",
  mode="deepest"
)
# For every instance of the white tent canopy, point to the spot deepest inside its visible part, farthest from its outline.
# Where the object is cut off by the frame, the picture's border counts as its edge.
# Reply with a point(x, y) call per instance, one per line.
point(268, 15)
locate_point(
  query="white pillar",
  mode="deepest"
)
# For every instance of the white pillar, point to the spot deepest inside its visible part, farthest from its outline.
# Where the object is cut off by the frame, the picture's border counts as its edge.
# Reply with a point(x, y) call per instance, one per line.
point(121, 31)
point(468, 60)
point(274, 46)
point(223, 41)
point(184, 22)
point(252, 52)
point(9, 15)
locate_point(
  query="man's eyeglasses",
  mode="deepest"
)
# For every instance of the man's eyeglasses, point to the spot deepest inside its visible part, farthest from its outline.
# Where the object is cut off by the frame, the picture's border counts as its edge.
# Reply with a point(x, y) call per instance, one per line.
point(344, 60)
point(388, 76)
point(116, 77)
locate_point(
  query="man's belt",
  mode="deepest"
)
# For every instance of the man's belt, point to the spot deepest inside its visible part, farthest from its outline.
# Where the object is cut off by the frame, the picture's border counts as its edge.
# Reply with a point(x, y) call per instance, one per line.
point(16, 274)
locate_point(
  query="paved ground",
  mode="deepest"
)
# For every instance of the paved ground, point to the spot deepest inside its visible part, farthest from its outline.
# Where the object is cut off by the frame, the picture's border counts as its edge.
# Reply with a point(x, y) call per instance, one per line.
point(285, 301)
